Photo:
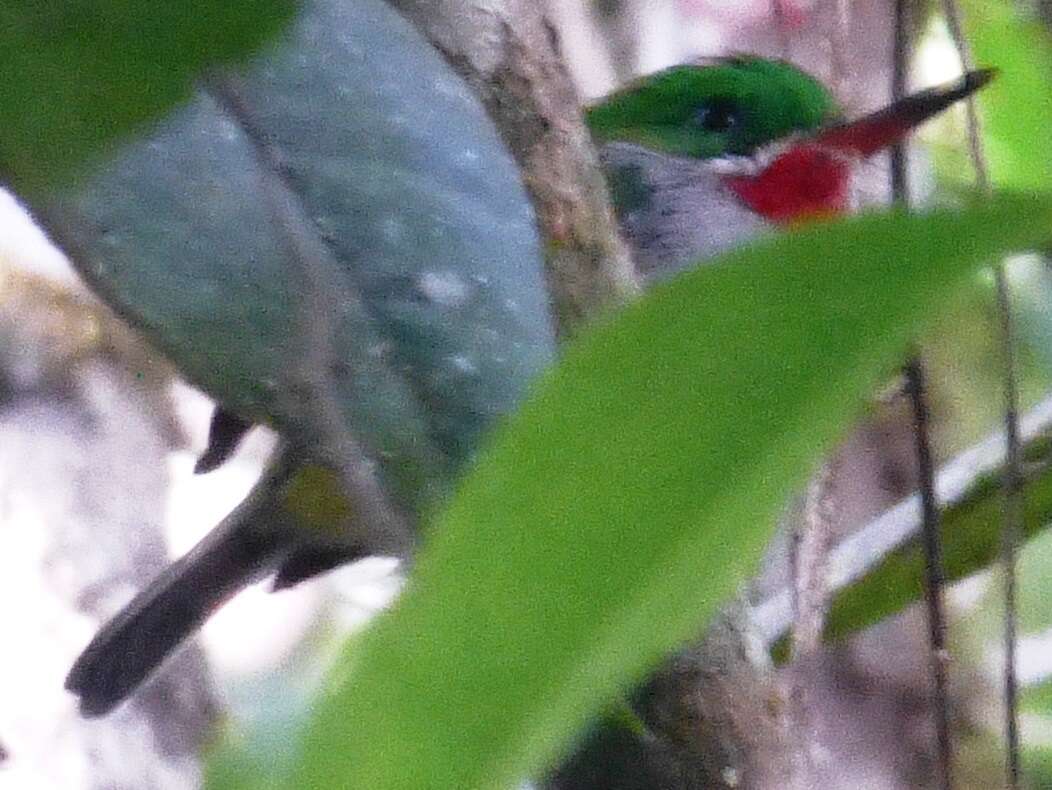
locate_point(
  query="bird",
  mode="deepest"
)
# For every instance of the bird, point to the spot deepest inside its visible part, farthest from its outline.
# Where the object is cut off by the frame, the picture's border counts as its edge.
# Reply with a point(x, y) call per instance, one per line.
point(333, 241)
point(706, 156)
point(699, 158)
point(702, 157)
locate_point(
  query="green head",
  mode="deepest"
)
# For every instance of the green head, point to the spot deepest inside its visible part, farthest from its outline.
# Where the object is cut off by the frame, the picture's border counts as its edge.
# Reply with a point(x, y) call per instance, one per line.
point(729, 106)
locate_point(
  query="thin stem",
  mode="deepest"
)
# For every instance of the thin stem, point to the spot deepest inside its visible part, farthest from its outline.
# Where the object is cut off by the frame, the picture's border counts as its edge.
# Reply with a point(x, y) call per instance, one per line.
point(900, 60)
point(1011, 533)
point(933, 571)
point(1012, 528)
point(934, 575)
point(809, 555)
point(839, 40)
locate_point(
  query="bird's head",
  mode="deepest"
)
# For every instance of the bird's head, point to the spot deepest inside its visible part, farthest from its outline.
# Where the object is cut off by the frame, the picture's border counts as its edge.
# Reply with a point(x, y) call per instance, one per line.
point(774, 133)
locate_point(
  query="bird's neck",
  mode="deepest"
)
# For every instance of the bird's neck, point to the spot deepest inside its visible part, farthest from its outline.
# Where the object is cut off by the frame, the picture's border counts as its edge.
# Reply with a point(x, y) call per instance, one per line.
point(673, 211)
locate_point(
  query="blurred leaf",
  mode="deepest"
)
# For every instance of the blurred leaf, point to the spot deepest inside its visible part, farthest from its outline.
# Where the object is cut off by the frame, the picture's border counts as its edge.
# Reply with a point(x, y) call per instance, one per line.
point(1035, 571)
point(1038, 698)
point(1017, 134)
point(77, 75)
point(971, 541)
point(1017, 106)
point(425, 244)
point(962, 357)
point(633, 493)
point(1036, 720)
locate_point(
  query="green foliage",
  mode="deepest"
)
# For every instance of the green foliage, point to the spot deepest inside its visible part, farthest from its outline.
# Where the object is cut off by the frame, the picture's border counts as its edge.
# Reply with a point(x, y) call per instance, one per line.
point(1017, 109)
point(971, 541)
point(632, 494)
point(78, 75)
point(1036, 708)
point(1017, 119)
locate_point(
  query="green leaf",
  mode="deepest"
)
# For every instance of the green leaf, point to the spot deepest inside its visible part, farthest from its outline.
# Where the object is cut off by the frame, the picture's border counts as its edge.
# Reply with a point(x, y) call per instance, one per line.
point(633, 493)
point(971, 541)
point(1036, 720)
point(1017, 110)
point(77, 75)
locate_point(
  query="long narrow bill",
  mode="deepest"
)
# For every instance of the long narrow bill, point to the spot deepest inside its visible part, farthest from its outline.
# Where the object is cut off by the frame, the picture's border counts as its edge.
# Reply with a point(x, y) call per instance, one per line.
point(887, 126)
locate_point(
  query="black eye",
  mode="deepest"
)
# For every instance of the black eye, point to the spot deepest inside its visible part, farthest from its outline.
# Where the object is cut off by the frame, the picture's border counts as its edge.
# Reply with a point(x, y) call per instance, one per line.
point(717, 115)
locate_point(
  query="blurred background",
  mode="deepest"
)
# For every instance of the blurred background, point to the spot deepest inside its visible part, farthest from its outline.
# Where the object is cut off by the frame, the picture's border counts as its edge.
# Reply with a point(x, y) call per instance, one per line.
point(84, 403)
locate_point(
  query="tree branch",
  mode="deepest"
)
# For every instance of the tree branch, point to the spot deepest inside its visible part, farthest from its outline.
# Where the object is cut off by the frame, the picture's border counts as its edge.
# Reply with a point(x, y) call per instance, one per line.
point(509, 53)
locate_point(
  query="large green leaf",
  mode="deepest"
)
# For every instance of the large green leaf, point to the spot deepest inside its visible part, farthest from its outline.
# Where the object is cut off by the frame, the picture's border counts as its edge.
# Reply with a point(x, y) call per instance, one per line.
point(633, 493)
point(425, 243)
point(78, 74)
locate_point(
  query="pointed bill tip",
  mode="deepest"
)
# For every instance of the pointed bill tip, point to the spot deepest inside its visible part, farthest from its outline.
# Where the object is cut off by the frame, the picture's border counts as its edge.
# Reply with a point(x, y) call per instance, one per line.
point(887, 126)
point(972, 81)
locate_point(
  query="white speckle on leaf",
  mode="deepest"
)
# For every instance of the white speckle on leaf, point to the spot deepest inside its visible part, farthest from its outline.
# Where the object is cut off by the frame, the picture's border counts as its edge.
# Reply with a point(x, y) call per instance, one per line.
point(350, 44)
point(379, 350)
point(447, 88)
point(463, 364)
point(228, 130)
point(444, 288)
point(325, 223)
point(393, 228)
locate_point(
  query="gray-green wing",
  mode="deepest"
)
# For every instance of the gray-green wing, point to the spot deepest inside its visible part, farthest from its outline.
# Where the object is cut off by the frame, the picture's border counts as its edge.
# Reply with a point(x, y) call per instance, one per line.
point(401, 177)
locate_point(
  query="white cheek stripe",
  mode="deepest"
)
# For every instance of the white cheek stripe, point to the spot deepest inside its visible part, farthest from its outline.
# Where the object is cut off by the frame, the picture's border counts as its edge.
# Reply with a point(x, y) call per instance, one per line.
point(759, 161)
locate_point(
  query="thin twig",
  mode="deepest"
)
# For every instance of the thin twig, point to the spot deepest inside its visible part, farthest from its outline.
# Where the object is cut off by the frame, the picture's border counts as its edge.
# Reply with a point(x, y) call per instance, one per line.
point(839, 40)
point(900, 58)
point(964, 52)
point(809, 562)
point(781, 27)
point(1012, 531)
point(934, 574)
point(808, 566)
point(1014, 503)
point(933, 571)
point(381, 525)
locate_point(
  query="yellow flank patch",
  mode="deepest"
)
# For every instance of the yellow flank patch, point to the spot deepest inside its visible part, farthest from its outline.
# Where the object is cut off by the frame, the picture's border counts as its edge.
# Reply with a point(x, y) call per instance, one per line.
point(314, 497)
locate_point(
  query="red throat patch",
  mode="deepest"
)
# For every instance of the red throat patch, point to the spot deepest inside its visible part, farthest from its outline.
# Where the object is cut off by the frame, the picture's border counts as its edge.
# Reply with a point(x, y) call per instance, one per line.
point(804, 182)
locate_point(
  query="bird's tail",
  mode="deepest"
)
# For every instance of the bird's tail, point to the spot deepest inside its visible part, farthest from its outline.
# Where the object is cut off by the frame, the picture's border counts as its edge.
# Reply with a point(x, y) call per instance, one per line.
point(250, 543)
